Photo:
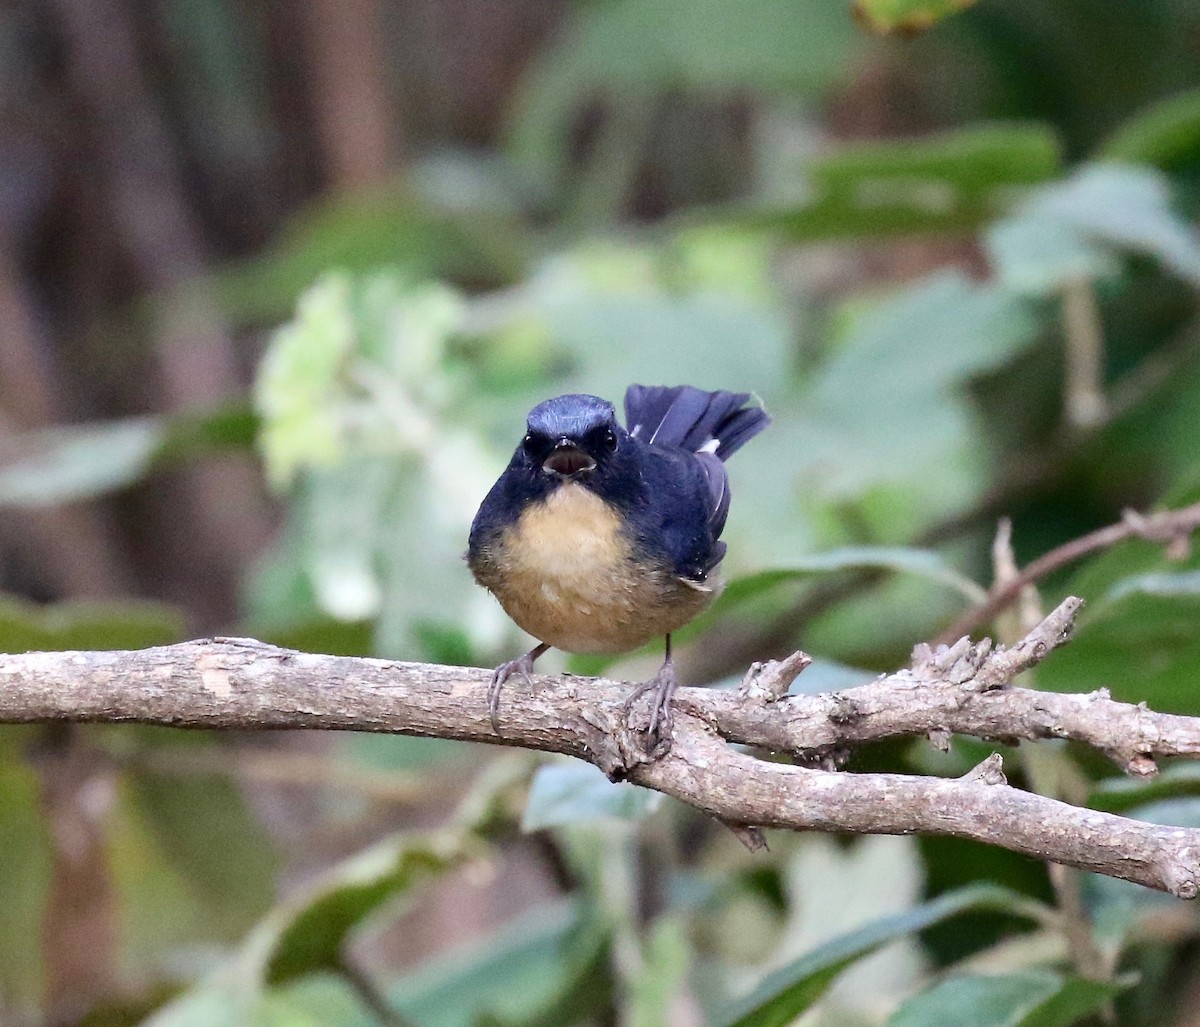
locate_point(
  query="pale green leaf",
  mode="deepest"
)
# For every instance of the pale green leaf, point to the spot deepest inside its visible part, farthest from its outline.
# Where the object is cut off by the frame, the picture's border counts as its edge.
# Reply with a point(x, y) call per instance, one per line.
point(919, 562)
point(548, 968)
point(792, 989)
point(1115, 907)
point(1031, 998)
point(73, 463)
point(1123, 207)
point(67, 464)
point(1118, 794)
point(1038, 256)
point(889, 404)
point(829, 676)
point(573, 790)
point(1162, 583)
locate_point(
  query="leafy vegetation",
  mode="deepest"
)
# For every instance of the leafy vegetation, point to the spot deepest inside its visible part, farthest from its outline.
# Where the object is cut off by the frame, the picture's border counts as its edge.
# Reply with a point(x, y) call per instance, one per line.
point(958, 262)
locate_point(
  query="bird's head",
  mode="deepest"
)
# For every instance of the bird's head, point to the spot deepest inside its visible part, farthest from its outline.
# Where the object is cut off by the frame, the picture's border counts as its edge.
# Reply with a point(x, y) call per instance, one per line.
point(572, 437)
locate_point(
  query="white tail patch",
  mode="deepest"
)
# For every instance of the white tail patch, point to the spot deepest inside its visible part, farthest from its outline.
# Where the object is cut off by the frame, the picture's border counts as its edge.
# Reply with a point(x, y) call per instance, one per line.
point(711, 446)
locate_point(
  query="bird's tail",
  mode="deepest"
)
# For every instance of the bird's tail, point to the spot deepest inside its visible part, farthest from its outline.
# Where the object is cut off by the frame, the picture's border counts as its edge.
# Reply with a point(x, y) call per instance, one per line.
point(713, 422)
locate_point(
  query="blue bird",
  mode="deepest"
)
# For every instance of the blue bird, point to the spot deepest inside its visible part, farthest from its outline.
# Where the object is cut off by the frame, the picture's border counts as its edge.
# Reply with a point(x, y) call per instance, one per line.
point(596, 539)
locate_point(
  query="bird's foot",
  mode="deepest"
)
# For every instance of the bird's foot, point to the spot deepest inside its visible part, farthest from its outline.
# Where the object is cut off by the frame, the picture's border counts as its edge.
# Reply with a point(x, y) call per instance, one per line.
point(522, 665)
point(663, 685)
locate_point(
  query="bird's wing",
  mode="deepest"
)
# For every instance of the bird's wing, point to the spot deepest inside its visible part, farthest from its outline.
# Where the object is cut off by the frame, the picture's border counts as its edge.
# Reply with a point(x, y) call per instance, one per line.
point(687, 417)
point(717, 479)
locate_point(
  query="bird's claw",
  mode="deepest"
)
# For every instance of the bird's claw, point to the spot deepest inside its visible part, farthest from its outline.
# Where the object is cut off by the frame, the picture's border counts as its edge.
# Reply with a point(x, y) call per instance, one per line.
point(661, 716)
point(522, 665)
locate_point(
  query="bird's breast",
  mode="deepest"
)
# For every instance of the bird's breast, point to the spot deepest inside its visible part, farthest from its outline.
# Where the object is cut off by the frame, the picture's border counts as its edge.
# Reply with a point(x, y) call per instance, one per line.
point(569, 573)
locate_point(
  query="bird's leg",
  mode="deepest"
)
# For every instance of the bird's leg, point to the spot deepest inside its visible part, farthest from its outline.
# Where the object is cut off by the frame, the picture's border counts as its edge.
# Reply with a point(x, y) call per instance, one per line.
point(522, 665)
point(663, 684)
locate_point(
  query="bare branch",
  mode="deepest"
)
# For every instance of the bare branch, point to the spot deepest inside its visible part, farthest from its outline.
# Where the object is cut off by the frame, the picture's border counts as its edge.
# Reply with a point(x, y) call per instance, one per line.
point(1172, 528)
point(961, 689)
point(964, 688)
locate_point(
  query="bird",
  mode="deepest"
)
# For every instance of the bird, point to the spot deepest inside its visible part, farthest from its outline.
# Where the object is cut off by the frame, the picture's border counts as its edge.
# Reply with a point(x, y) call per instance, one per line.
point(597, 538)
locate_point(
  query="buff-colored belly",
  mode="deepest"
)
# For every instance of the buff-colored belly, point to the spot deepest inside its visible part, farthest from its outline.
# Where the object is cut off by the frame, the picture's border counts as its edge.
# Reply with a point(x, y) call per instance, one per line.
point(565, 573)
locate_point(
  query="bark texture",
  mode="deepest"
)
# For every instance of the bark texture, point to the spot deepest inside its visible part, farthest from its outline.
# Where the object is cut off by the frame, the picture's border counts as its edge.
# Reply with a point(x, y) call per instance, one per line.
point(231, 683)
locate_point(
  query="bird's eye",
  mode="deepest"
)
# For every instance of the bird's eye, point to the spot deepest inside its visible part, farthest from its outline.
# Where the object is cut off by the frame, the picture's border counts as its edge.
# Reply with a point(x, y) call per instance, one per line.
point(529, 443)
point(610, 440)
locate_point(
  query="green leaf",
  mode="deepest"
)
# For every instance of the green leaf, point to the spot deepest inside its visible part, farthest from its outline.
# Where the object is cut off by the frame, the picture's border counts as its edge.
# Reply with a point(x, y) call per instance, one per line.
point(1119, 794)
point(359, 369)
point(792, 989)
point(308, 933)
point(1035, 255)
point(26, 626)
point(621, 312)
point(922, 563)
point(666, 957)
point(548, 968)
point(205, 1007)
point(1116, 907)
point(361, 233)
point(1032, 998)
point(890, 402)
point(219, 850)
point(365, 412)
point(1138, 635)
point(829, 676)
point(1166, 135)
point(24, 879)
point(951, 182)
point(639, 49)
point(1115, 206)
point(1154, 613)
point(83, 461)
point(175, 894)
point(563, 793)
point(1162, 583)
point(906, 16)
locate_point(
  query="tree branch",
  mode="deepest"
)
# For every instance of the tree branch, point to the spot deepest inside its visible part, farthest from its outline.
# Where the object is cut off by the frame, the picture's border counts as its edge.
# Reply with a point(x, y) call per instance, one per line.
point(1171, 527)
point(243, 684)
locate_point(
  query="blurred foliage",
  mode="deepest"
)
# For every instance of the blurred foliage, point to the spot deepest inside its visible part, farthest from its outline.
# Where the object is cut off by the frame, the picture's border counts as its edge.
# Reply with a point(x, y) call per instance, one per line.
point(955, 181)
point(882, 238)
point(906, 15)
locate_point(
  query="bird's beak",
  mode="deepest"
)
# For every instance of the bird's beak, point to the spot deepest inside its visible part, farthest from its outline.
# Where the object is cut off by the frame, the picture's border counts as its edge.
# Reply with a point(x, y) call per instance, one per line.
point(567, 459)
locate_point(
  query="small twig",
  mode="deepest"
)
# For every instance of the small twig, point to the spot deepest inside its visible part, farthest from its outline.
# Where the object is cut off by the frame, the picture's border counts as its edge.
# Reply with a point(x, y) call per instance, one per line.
point(1045, 766)
point(770, 681)
point(370, 995)
point(1084, 404)
point(1004, 570)
point(1166, 527)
